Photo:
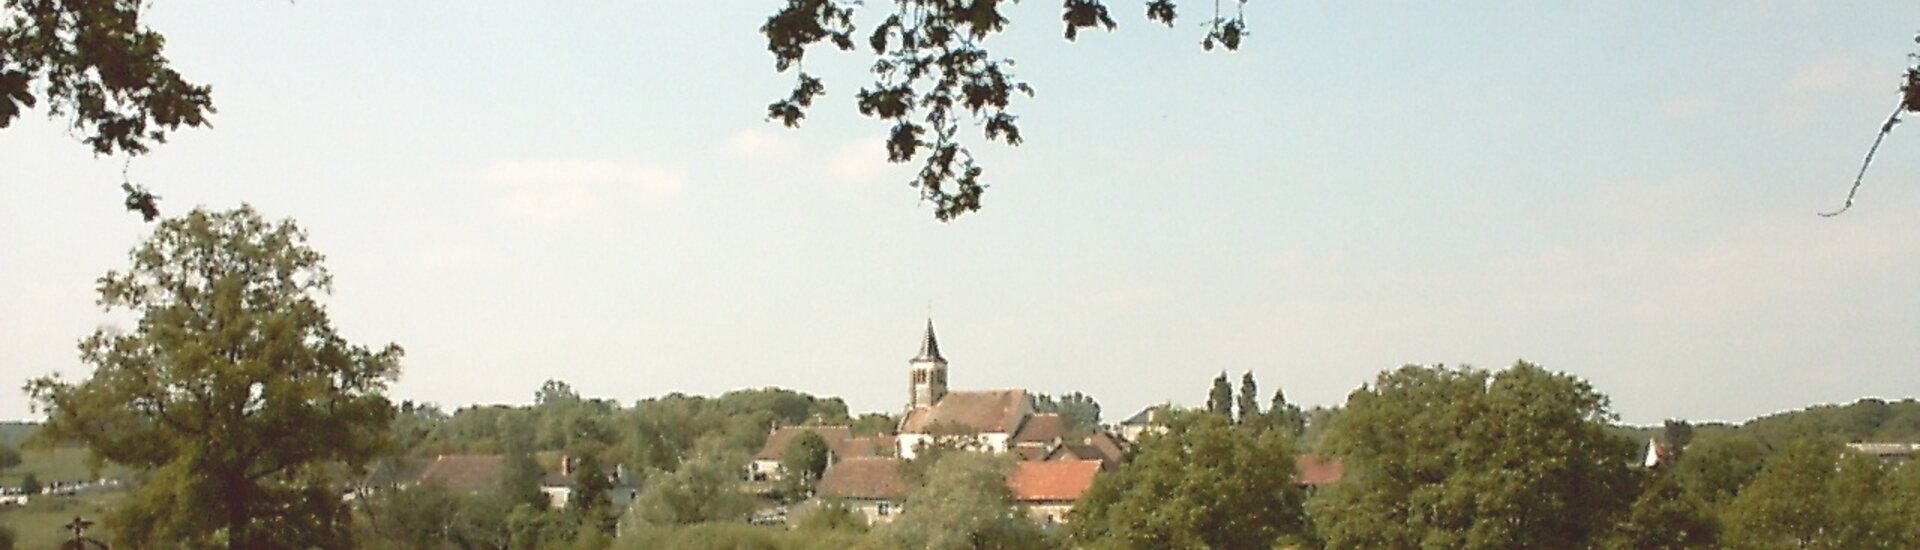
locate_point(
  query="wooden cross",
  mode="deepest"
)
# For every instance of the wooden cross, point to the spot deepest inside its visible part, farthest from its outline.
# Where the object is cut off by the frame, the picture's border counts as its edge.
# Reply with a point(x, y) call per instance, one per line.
point(78, 526)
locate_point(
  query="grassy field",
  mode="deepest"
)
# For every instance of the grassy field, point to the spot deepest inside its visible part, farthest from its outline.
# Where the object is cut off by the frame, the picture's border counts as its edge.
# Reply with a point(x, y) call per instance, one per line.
point(12, 433)
point(39, 525)
point(58, 464)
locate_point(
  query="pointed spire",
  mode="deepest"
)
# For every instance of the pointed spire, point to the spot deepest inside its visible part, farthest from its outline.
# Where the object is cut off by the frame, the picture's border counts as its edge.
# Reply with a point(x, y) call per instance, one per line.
point(929, 346)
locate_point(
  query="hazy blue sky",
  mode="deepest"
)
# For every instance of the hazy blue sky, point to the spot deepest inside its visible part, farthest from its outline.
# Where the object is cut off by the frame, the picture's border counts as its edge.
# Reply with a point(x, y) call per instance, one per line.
point(519, 191)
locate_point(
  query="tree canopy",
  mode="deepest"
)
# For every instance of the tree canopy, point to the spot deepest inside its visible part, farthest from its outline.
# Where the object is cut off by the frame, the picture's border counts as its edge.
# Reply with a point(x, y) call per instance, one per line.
point(1220, 397)
point(1206, 483)
point(1666, 516)
point(803, 462)
point(702, 489)
point(98, 64)
point(964, 504)
point(1463, 458)
point(1813, 494)
point(233, 392)
point(1080, 411)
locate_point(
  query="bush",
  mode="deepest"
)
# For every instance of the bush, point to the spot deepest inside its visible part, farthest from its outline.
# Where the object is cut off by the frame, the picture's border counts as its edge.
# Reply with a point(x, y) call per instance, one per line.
point(703, 536)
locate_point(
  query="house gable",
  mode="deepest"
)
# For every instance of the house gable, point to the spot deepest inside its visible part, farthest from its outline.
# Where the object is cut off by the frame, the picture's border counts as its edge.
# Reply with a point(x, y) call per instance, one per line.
point(468, 473)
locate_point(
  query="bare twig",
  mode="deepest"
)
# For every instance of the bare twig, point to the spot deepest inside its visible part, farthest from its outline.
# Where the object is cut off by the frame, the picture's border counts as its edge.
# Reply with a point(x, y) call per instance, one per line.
point(1885, 129)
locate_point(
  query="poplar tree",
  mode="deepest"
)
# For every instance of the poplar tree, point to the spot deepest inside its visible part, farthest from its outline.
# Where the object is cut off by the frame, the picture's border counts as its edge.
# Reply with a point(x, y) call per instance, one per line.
point(1220, 398)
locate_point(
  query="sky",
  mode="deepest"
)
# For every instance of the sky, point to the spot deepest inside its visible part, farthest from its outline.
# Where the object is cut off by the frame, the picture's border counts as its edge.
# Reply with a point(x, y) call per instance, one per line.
point(588, 191)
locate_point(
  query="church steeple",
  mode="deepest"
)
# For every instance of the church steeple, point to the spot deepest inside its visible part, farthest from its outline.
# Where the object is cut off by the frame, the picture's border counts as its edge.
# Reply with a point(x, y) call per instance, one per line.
point(927, 373)
point(929, 346)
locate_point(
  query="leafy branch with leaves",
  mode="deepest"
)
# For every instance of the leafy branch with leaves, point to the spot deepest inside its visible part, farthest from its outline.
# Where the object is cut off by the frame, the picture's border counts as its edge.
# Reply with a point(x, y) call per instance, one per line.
point(932, 71)
point(99, 65)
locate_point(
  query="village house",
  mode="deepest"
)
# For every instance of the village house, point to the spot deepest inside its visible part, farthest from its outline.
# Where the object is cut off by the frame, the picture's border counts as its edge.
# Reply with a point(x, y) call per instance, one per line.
point(1313, 472)
point(841, 444)
point(1102, 446)
point(1049, 489)
point(994, 421)
point(1053, 472)
point(1148, 421)
point(463, 473)
point(873, 487)
point(476, 473)
point(870, 486)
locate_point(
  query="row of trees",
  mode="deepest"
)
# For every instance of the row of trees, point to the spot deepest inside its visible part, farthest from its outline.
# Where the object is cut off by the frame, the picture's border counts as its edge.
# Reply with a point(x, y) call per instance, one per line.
point(237, 401)
point(1440, 457)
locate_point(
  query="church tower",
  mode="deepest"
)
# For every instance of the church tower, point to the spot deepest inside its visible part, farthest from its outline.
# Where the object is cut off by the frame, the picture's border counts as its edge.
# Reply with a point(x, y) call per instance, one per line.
point(927, 373)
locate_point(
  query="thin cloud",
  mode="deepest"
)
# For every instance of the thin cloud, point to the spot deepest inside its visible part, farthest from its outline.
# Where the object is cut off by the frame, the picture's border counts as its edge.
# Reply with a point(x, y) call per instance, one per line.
point(1690, 106)
point(459, 257)
point(761, 143)
point(859, 161)
point(556, 191)
point(1833, 73)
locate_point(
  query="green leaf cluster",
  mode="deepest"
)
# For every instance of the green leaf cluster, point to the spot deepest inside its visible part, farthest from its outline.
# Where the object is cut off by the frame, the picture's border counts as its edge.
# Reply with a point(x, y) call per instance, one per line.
point(1815, 494)
point(932, 72)
point(803, 463)
point(965, 504)
point(1206, 483)
point(1080, 411)
point(1463, 458)
point(97, 62)
point(233, 392)
point(703, 489)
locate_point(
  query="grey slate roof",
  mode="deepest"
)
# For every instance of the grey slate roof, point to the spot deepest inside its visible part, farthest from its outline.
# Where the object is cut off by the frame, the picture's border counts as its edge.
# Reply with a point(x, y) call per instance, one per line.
point(929, 346)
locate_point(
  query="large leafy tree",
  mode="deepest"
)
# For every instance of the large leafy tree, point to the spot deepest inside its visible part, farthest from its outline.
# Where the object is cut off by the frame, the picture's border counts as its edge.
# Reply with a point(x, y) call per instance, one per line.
point(1666, 517)
point(591, 498)
point(1814, 494)
point(933, 73)
point(1463, 458)
point(704, 488)
point(803, 462)
point(965, 504)
point(1206, 483)
point(234, 392)
point(1717, 465)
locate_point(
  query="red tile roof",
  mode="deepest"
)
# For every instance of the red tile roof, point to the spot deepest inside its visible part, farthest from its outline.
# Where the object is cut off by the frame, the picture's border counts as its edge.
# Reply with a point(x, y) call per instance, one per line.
point(1108, 445)
point(869, 446)
point(1053, 480)
point(1311, 470)
point(1081, 451)
point(864, 478)
point(1042, 427)
point(464, 472)
point(1029, 452)
point(992, 411)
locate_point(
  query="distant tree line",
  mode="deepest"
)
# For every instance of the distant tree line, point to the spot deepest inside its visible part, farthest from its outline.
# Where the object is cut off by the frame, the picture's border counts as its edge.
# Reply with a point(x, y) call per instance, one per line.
point(246, 417)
